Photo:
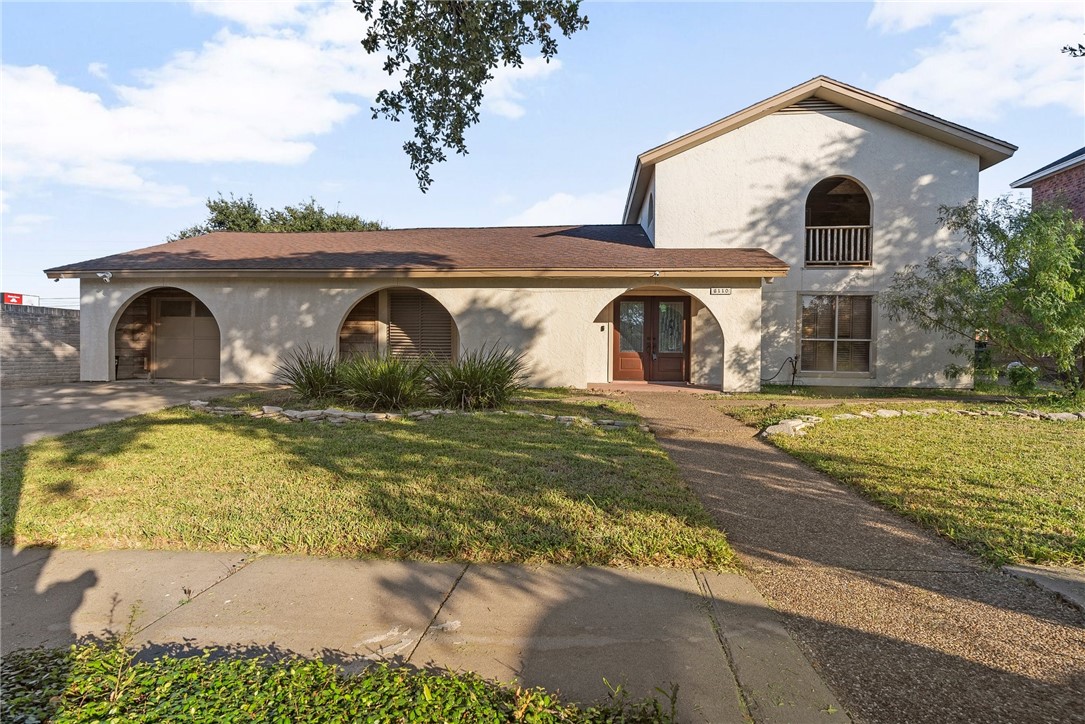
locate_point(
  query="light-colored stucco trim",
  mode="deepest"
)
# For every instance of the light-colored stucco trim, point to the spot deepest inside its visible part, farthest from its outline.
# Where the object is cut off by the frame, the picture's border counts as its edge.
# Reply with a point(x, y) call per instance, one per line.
point(990, 150)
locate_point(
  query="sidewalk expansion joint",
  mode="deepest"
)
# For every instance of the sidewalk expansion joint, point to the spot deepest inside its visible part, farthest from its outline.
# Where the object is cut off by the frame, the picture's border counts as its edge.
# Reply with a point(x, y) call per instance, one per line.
point(230, 573)
point(437, 613)
point(706, 593)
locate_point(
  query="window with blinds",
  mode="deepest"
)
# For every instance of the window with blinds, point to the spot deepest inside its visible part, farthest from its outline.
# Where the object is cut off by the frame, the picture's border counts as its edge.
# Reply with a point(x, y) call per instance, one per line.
point(837, 333)
point(418, 326)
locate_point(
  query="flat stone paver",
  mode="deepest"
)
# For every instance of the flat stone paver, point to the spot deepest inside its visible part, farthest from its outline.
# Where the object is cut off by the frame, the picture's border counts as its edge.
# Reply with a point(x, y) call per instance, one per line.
point(563, 628)
point(342, 611)
point(32, 413)
point(904, 626)
point(51, 598)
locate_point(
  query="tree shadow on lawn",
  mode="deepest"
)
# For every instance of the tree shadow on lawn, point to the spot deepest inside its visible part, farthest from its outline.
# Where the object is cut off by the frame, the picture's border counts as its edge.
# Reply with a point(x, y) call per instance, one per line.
point(478, 488)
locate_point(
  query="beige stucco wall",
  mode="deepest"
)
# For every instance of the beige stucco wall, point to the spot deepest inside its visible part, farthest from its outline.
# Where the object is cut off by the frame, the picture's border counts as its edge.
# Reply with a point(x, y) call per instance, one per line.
point(562, 325)
point(748, 188)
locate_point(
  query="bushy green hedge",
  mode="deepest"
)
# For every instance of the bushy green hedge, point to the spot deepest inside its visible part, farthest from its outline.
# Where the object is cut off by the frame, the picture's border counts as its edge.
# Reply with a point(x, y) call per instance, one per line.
point(90, 683)
point(480, 379)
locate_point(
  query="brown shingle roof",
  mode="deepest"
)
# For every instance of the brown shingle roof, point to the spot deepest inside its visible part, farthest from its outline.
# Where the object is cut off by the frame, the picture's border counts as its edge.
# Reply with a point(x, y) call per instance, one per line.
point(605, 248)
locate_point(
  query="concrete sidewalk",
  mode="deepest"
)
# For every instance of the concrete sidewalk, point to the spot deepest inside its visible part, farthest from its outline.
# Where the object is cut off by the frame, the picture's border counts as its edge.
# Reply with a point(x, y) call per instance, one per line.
point(569, 629)
point(31, 413)
point(904, 626)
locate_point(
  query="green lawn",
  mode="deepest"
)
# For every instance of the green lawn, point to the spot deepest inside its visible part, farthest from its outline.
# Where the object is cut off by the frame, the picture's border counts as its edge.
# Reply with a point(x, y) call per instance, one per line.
point(92, 684)
point(486, 488)
point(1008, 489)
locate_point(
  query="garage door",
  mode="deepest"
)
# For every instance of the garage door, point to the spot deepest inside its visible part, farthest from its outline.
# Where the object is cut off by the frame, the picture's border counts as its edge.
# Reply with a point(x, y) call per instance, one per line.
point(186, 341)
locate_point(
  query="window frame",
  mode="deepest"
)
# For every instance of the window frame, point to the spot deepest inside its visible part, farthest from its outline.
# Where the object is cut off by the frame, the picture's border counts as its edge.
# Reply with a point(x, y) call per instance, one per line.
point(799, 339)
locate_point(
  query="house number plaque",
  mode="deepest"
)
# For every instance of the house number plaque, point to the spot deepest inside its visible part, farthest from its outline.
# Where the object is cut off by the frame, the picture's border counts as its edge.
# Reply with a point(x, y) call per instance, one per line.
point(719, 290)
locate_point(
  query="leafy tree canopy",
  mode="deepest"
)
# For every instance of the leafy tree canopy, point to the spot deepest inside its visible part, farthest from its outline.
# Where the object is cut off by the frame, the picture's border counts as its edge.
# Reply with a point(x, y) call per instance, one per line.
point(1024, 287)
point(243, 214)
point(445, 51)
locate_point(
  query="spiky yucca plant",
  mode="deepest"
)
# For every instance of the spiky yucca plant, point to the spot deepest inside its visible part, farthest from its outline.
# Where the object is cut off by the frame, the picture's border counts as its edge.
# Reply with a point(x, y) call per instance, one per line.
point(312, 373)
point(383, 382)
point(484, 378)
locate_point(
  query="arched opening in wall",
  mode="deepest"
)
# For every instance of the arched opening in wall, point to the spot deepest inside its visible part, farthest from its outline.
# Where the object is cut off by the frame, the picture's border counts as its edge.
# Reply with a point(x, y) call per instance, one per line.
point(654, 337)
point(402, 322)
point(838, 224)
point(166, 333)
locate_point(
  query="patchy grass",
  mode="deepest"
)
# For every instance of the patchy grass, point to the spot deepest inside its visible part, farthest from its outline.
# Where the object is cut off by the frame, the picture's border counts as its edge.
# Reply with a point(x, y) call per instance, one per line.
point(92, 684)
point(1008, 489)
point(487, 488)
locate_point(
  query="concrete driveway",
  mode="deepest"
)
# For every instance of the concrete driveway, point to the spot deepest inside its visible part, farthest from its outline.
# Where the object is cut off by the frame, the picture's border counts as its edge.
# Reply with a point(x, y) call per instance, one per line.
point(31, 413)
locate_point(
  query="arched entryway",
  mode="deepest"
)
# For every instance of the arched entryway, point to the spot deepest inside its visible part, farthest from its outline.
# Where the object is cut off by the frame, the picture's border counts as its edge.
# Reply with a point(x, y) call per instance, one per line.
point(166, 333)
point(400, 321)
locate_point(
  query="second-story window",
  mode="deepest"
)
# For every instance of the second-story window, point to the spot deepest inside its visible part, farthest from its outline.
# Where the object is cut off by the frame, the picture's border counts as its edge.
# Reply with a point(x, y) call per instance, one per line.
point(838, 224)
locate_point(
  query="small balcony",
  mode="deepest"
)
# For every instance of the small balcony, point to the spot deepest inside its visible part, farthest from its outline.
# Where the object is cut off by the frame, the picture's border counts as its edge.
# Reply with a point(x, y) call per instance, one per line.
point(837, 246)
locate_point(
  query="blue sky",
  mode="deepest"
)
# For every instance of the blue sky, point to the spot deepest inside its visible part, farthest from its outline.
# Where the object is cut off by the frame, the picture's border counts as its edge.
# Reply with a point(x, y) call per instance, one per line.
point(119, 119)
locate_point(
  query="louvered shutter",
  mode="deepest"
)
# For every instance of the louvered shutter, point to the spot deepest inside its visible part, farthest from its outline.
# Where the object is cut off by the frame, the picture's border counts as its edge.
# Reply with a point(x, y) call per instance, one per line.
point(418, 326)
point(359, 333)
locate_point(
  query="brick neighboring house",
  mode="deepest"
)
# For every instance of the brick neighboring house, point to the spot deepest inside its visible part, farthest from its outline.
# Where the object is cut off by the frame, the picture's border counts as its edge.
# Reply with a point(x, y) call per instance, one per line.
point(1060, 181)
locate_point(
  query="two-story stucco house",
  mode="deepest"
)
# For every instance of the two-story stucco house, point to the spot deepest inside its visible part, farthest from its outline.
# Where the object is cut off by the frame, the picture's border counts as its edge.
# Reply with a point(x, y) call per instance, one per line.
point(765, 236)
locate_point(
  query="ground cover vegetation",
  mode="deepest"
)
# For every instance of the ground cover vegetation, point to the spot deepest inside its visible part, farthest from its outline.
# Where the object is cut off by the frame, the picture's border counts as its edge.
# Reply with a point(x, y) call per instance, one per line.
point(486, 488)
point(1021, 288)
point(96, 683)
point(484, 378)
point(1008, 489)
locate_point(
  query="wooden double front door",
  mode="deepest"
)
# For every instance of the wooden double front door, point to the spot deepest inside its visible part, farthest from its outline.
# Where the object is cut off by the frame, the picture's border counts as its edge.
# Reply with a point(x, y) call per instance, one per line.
point(651, 339)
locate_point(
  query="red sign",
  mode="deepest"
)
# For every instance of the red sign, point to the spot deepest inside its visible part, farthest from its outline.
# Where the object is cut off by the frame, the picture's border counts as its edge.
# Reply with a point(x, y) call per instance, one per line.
point(13, 298)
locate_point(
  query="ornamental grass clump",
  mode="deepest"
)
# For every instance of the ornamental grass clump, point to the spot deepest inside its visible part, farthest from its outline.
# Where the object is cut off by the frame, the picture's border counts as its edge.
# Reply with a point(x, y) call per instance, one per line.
point(484, 378)
point(383, 382)
point(312, 373)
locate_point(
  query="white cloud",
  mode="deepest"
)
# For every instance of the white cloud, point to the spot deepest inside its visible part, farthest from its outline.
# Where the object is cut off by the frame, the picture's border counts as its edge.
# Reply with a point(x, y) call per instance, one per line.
point(501, 93)
point(25, 223)
point(260, 90)
point(992, 56)
point(254, 14)
point(562, 208)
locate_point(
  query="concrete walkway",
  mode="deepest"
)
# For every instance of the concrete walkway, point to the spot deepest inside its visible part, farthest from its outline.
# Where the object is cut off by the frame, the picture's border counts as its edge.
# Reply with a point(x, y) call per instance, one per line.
point(905, 627)
point(31, 413)
point(568, 629)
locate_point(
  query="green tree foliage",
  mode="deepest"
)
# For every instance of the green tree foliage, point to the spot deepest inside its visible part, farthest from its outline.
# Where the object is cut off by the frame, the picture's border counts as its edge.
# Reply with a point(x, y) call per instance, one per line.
point(243, 214)
point(1023, 287)
point(445, 51)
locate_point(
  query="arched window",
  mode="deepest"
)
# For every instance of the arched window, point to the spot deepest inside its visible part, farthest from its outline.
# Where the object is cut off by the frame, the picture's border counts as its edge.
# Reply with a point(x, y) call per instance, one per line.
point(838, 224)
point(400, 321)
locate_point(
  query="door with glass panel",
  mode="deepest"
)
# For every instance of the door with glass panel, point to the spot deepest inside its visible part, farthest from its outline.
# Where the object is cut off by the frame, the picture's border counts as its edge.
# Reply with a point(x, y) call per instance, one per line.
point(651, 339)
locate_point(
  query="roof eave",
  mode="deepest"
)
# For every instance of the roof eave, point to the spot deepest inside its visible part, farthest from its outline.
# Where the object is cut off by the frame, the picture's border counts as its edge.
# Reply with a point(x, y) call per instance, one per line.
point(1026, 182)
point(735, 272)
